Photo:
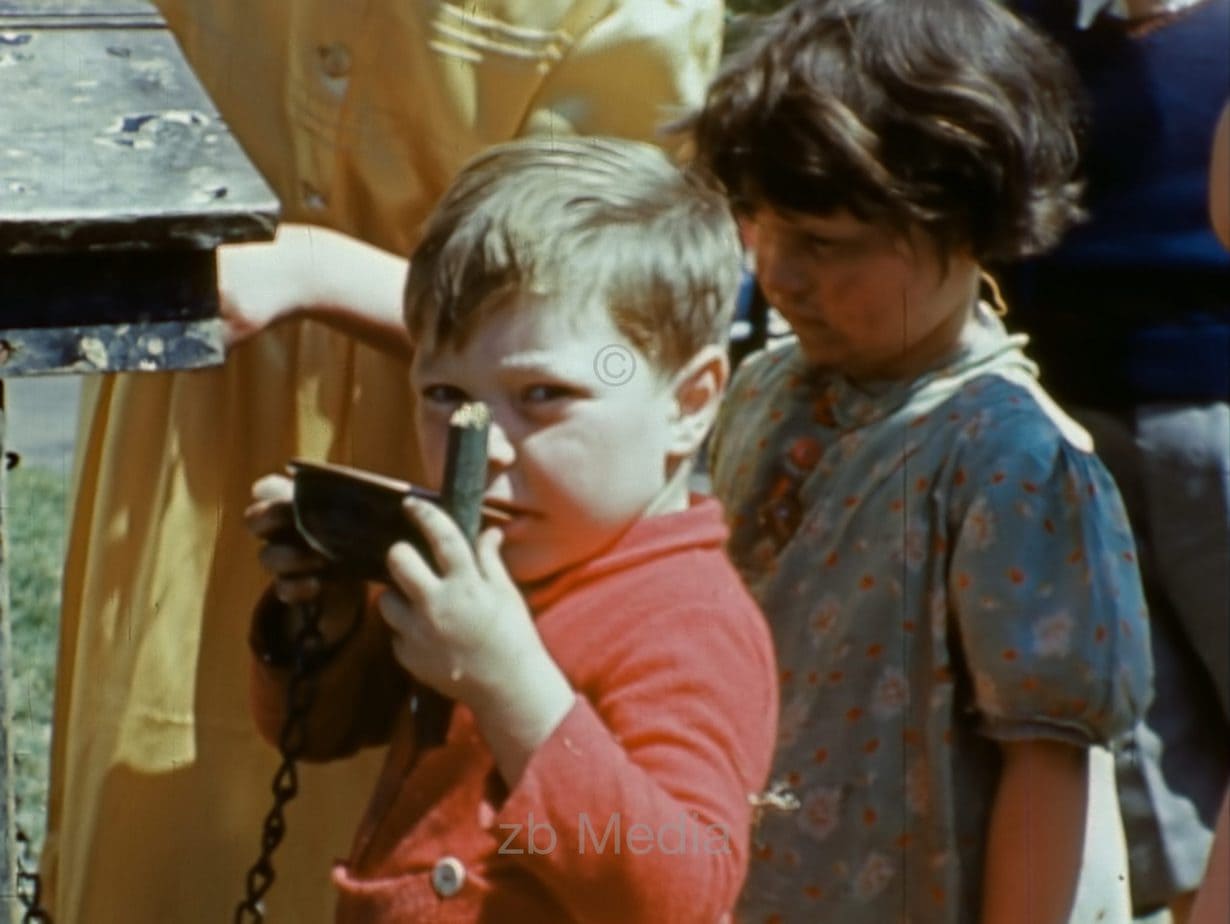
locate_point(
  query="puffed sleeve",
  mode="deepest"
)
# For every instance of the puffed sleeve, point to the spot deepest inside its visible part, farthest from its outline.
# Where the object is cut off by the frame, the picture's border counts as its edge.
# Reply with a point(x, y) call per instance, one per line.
point(627, 53)
point(1047, 596)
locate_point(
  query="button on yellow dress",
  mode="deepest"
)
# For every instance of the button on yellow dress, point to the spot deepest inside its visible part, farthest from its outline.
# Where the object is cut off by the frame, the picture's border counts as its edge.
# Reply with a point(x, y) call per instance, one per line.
point(358, 113)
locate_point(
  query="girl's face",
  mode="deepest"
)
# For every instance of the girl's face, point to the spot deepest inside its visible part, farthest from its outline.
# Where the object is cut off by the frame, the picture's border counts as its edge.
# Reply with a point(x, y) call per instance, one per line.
point(866, 300)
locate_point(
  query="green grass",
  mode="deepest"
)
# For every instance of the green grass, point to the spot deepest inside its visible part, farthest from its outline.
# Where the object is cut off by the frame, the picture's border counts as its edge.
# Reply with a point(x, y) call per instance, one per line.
point(34, 516)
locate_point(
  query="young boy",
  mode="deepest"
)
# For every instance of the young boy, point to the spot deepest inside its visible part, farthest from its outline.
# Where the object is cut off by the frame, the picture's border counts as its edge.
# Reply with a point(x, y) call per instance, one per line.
point(615, 685)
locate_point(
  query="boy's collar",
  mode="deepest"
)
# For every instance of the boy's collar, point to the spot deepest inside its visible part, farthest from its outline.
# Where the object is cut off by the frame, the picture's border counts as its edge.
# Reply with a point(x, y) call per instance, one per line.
point(651, 537)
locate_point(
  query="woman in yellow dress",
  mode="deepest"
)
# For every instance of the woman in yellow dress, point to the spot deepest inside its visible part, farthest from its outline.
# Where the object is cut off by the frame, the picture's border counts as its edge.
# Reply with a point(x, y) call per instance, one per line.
point(358, 114)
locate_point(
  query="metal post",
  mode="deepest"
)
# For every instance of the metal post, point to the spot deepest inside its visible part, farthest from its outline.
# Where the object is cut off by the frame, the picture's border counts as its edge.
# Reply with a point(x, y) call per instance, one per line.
point(8, 865)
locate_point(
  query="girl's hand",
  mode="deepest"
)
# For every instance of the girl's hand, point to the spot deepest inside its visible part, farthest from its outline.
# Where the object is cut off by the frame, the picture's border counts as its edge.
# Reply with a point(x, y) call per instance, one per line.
point(467, 632)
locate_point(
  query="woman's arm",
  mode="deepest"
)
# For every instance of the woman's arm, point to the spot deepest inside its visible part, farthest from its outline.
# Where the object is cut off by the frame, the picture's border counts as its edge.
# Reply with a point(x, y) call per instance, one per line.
point(309, 271)
point(1035, 841)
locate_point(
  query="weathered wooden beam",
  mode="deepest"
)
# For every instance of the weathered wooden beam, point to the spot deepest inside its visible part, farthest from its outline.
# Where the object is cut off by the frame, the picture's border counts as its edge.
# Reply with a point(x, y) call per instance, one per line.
point(72, 14)
point(109, 141)
point(111, 348)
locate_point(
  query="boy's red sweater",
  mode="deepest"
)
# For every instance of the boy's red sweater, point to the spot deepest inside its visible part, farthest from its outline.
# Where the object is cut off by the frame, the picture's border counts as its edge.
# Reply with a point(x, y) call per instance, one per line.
point(636, 809)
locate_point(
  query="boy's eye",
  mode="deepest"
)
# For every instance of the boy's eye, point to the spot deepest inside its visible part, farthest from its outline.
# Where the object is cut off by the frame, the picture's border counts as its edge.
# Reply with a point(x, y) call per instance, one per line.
point(544, 392)
point(443, 394)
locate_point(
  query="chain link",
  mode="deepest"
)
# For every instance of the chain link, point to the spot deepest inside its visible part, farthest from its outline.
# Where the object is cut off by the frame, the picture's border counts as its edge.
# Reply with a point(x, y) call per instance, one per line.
point(29, 885)
point(300, 694)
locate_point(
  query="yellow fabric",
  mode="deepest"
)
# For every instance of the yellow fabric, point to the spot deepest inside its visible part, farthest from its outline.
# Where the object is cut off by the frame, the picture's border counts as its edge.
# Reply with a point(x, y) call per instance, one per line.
point(358, 113)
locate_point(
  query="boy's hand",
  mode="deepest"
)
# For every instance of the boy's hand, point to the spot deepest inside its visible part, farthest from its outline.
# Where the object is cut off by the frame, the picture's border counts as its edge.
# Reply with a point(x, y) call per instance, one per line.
point(299, 573)
point(295, 568)
point(464, 630)
point(467, 632)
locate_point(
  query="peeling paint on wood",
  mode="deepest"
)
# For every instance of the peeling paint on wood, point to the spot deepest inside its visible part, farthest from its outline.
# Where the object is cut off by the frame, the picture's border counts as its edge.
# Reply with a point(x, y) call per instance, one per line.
point(111, 348)
point(118, 180)
point(108, 140)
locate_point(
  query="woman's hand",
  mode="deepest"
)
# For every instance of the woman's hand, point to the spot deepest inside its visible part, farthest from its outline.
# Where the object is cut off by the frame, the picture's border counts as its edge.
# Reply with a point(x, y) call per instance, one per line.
point(313, 272)
point(258, 284)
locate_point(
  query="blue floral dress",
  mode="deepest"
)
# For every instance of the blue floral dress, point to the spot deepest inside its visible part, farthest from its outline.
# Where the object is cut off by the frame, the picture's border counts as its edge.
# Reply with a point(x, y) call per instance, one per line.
point(944, 564)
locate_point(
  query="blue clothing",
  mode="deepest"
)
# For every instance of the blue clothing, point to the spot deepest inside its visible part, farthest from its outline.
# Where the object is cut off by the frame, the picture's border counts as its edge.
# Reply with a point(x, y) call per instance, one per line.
point(1141, 292)
point(942, 566)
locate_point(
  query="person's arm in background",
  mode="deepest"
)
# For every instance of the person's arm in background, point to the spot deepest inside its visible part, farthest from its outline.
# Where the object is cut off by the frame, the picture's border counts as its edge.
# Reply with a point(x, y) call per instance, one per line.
point(1219, 178)
point(1212, 904)
point(312, 272)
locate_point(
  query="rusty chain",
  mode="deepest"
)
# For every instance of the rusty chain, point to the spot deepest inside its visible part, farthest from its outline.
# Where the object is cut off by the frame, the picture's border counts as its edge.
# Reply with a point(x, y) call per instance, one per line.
point(300, 693)
point(29, 885)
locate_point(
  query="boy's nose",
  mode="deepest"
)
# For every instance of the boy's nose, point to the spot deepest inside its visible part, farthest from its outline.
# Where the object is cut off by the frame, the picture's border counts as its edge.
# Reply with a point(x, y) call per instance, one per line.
point(500, 449)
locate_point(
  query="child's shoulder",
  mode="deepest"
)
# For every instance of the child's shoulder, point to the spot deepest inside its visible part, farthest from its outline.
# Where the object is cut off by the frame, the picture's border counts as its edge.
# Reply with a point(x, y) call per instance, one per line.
point(690, 568)
point(665, 562)
point(1008, 413)
point(671, 585)
point(1015, 450)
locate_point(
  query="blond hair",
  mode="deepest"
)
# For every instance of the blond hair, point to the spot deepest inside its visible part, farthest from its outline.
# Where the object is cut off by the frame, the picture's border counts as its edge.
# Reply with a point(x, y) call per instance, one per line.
point(573, 220)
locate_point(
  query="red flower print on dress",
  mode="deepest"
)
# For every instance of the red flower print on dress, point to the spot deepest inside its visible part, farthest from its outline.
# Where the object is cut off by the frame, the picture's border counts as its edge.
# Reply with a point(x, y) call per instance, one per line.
point(891, 693)
point(825, 617)
point(804, 453)
point(874, 876)
point(820, 813)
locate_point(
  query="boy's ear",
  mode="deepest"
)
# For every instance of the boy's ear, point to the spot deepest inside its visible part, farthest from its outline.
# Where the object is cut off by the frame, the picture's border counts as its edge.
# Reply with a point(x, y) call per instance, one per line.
point(698, 389)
